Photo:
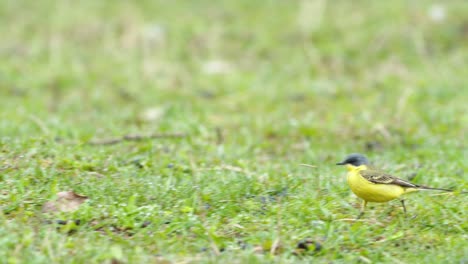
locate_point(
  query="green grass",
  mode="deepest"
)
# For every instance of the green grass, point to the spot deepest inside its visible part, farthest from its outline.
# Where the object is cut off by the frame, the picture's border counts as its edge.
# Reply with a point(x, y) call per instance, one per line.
point(376, 77)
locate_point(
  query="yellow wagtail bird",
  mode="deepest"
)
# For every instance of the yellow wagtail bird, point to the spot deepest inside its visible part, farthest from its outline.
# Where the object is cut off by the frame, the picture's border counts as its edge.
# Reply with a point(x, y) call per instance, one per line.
point(373, 185)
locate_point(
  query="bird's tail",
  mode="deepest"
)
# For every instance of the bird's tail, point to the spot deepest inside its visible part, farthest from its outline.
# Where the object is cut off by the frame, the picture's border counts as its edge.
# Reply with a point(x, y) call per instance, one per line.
point(421, 187)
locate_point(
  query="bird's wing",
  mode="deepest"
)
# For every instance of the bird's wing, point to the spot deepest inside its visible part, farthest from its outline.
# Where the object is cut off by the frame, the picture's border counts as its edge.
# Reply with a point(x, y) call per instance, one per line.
point(376, 176)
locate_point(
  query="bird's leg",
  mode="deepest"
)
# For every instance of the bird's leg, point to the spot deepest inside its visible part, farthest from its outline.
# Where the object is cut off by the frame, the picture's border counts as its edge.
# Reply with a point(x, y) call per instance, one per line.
point(363, 207)
point(403, 204)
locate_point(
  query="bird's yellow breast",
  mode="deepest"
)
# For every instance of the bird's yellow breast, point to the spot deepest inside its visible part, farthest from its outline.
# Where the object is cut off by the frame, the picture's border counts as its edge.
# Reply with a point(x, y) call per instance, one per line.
point(369, 191)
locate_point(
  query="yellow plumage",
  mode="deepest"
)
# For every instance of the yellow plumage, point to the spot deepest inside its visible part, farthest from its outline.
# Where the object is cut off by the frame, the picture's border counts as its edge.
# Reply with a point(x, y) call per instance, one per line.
point(372, 192)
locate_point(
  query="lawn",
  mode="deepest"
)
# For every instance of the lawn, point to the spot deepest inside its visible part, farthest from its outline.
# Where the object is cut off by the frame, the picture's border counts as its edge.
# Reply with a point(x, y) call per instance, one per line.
point(184, 124)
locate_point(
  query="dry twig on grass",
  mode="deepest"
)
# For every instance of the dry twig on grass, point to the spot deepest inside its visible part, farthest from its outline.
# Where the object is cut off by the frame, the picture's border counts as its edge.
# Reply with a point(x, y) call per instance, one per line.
point(134, 137)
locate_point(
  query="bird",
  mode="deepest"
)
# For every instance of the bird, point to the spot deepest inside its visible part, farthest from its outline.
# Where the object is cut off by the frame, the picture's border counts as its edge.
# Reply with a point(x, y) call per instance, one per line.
point(373, 185)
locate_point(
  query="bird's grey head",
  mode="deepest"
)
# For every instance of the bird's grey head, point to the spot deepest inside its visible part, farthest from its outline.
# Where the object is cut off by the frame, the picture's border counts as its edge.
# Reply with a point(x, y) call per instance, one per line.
point(354, 159)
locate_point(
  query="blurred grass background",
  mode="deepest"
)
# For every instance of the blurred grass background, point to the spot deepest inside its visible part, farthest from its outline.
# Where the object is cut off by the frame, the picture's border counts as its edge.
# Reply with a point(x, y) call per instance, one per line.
point(257, 87)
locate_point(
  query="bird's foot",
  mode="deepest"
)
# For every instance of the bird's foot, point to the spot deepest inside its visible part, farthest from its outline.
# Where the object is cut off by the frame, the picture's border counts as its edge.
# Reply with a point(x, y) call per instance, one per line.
point(360, 215)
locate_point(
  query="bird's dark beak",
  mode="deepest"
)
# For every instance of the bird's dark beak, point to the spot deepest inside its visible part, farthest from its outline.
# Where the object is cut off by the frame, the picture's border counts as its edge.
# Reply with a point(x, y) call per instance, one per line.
point(341, 163)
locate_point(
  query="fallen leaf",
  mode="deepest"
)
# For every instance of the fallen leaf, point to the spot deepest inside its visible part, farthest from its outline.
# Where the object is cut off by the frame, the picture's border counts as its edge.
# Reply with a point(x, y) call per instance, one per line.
point(65, 202)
